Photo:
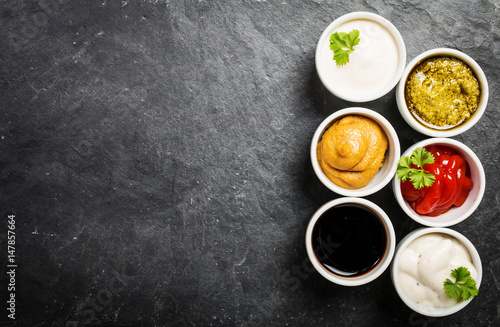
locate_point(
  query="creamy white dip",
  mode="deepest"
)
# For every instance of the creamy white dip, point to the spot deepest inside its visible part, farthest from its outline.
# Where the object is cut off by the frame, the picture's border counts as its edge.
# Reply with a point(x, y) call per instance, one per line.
point(372, 65)
point(426, 263)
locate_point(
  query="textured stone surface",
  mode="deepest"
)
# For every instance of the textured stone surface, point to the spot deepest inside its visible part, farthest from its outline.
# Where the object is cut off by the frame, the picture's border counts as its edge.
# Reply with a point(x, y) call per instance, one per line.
point(155, 155)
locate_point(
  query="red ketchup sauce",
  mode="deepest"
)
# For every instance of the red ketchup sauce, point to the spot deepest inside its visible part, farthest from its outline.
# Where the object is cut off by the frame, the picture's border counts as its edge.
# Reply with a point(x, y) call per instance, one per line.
point(450, 188)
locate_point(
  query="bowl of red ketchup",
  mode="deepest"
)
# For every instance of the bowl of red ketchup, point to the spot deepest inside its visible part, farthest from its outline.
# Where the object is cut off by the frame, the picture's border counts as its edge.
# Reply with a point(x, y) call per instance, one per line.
point(457, 190)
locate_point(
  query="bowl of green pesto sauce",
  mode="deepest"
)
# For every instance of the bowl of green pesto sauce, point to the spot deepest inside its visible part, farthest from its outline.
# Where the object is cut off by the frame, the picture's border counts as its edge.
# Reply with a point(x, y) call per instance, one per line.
point(442, 93)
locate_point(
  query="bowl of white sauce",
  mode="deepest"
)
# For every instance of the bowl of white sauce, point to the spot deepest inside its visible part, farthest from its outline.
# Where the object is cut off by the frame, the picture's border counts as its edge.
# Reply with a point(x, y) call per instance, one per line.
point(376, 64)
point(423, 261)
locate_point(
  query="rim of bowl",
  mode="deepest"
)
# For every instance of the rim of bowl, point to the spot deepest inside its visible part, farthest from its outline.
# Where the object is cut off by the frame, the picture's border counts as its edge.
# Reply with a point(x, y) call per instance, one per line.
point(365, 16)
point(393, 146)
point(372, 274)
point(434, 221)
point(483, 99)
point(425, 310)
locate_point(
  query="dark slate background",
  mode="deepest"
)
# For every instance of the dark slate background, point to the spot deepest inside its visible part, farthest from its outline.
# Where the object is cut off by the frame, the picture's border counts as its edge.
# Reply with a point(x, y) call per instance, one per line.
point(155, 156)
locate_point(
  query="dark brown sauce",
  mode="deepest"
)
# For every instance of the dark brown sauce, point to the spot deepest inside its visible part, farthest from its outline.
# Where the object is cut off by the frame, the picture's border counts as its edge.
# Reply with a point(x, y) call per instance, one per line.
point(349, 240)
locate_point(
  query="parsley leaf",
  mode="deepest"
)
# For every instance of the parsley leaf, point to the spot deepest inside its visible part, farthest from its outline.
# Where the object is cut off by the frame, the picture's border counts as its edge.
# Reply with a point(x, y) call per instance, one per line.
point(418, 176)
point(421, 157)
point(464, 286)
point(404, 168)
point(342, 45)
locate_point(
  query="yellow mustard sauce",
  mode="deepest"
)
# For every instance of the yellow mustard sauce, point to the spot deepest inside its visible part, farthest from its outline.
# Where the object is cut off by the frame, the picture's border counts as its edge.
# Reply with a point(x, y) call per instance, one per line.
point(352, 151)
point(442, 91)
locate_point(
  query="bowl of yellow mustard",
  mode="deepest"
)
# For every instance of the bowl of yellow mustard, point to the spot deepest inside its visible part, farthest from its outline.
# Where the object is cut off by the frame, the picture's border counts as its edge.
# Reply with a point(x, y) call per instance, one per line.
point(443, 92)
point(355, 151)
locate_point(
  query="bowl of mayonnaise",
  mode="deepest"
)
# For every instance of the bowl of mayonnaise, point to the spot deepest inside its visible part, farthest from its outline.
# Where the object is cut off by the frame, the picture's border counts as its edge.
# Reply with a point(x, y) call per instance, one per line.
point(360, 57)
point(425, 268)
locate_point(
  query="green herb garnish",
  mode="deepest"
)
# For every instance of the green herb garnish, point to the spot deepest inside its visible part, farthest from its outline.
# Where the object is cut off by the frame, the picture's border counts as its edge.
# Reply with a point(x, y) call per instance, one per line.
point(418, 176)
point(342, 45)
point(464, 286)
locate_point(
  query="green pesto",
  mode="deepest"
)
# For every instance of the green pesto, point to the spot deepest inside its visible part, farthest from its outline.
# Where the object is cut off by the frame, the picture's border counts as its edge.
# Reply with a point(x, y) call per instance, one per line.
point(442, 91)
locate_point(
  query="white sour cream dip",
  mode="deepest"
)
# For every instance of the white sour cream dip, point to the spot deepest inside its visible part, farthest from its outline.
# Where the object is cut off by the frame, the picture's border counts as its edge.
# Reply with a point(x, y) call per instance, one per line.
point(426, 263)
point(372, 65)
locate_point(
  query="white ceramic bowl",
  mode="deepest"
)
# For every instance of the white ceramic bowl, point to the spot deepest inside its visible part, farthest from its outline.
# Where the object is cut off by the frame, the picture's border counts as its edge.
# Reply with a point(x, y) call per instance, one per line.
point(384, 261)
point(392, 155)
point(442, 132)
point(455, 214)
point(419, 308)
point(375, 68)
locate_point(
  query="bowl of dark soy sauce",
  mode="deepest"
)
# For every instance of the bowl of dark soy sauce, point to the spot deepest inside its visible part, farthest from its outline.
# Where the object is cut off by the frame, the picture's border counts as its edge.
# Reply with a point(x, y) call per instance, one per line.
point(350, 241)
